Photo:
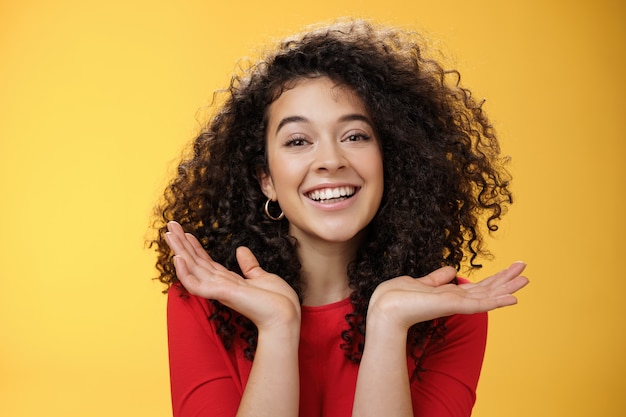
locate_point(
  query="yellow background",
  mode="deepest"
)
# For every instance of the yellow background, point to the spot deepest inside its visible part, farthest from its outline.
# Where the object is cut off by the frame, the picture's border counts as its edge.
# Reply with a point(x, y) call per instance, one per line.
point(97, 98)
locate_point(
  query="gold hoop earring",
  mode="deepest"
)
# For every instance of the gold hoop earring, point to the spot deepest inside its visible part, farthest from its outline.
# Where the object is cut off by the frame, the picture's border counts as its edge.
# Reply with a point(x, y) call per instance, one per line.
point(267, 212)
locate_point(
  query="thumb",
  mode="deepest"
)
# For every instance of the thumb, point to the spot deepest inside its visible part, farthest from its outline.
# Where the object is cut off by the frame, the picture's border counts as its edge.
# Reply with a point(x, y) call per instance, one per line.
point(439, 276)
point(248, 263)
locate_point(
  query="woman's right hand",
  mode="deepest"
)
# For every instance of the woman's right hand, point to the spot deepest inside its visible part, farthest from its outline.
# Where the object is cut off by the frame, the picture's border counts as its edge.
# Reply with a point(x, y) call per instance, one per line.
point(264, 298)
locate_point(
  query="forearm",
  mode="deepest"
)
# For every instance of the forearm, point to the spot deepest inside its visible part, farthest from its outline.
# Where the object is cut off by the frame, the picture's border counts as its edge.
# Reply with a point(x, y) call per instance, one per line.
point(273, 387)
point(383, 381)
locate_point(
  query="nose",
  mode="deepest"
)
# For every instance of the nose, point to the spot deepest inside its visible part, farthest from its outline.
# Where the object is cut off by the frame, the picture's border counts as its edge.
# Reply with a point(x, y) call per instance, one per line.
point(329, 156)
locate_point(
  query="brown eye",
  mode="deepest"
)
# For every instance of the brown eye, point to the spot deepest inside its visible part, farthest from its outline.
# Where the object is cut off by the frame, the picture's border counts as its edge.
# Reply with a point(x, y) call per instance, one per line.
point(355, 137)
point(297, 141)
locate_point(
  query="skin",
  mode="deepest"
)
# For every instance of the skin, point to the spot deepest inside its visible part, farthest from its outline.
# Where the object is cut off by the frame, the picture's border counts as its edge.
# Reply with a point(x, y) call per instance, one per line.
point(312, 145)
point(320, 138)
point(383, 383)
point(268, 301)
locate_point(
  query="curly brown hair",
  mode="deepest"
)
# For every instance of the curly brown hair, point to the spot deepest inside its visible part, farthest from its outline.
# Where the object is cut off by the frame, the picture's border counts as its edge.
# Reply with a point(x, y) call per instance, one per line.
point(444, 179)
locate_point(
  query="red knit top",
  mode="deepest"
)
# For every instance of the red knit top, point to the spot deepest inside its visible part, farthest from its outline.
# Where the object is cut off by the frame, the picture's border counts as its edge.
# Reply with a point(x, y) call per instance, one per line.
point(208, 380)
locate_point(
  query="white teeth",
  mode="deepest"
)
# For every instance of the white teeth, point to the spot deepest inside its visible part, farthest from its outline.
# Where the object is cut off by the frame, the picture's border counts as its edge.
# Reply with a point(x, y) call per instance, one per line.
point(330, 193)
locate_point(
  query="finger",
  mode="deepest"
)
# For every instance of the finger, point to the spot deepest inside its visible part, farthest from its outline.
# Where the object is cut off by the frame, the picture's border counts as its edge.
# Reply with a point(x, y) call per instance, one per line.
point(516, 284)
point(497, 288)
point(175, 227)
point(439, 277)
point(507, 274)
point(182, 272)
point(174, 243)
point(176, 239)
point(192, 283)
point(248, 263)
point(186, 245)
point(198, 250)
point(504, 301)
point(487, 303)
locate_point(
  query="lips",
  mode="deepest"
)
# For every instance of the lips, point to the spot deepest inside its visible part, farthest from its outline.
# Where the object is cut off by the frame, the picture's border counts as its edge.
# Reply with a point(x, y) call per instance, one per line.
point(331, 194)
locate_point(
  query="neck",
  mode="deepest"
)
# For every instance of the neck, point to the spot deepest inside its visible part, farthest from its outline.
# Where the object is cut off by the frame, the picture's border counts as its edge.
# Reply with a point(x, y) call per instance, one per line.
point(325, 271)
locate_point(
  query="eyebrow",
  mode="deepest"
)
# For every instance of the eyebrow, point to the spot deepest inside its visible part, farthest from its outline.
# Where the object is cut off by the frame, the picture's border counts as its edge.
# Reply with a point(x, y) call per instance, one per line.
point(301, 119)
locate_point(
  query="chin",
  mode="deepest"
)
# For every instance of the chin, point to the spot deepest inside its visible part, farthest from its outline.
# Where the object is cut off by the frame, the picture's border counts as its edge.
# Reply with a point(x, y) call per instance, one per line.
point(334, 238)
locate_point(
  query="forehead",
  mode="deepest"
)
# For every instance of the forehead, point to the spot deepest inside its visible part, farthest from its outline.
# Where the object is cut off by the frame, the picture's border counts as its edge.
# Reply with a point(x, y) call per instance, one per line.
point(315, 97)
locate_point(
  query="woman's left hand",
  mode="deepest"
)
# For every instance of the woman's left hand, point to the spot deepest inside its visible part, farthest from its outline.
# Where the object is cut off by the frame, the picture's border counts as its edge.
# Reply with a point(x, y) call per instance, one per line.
point(396, 305)
point(405, 301)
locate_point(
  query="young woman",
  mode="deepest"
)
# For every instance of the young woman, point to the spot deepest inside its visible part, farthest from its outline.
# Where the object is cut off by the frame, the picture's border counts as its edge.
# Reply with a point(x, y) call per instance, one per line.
point(310, 242)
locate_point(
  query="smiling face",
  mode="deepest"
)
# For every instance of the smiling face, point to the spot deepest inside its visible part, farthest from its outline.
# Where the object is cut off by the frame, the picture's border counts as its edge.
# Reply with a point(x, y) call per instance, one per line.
point(325, 162)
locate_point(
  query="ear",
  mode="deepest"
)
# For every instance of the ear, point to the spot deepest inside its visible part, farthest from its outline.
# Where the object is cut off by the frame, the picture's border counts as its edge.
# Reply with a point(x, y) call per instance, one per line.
point(266, 183)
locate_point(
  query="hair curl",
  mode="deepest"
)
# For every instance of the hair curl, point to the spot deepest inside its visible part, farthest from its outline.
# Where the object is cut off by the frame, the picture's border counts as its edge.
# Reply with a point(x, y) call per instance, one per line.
point(444, 178)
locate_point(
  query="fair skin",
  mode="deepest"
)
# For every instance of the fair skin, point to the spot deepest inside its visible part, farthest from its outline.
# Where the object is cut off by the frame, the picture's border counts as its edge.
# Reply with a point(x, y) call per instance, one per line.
point(325, 170)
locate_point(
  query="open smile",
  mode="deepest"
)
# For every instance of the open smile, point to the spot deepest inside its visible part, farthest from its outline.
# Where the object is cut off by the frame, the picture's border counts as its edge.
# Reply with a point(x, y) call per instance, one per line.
point(332, 195)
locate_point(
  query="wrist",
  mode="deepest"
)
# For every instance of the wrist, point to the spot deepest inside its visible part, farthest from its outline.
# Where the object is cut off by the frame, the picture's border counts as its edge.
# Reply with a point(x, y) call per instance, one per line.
point(381, 328)
point(287, 332)
point(283, 319)
point(384, 316)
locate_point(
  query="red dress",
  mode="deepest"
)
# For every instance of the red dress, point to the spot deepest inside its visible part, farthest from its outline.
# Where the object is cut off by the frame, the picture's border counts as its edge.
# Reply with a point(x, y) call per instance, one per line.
point(207, 380)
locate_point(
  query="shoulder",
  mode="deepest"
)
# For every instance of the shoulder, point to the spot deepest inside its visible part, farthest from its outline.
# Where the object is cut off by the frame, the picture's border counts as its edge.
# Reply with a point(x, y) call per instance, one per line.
point(183, 307)
point(464, 333)
point(451, 368)
point(205, 377)
point(178, 297)
point(460, 352)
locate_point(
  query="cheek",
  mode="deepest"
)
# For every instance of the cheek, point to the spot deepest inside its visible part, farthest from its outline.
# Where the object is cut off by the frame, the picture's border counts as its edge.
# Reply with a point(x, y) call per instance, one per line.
point(377, 176)
point(375, 167)
point(286, 174)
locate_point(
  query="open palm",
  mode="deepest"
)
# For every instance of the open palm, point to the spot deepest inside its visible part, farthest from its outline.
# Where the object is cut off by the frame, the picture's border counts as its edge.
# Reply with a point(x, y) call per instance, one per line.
point(404, 301)
point(264, 298)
